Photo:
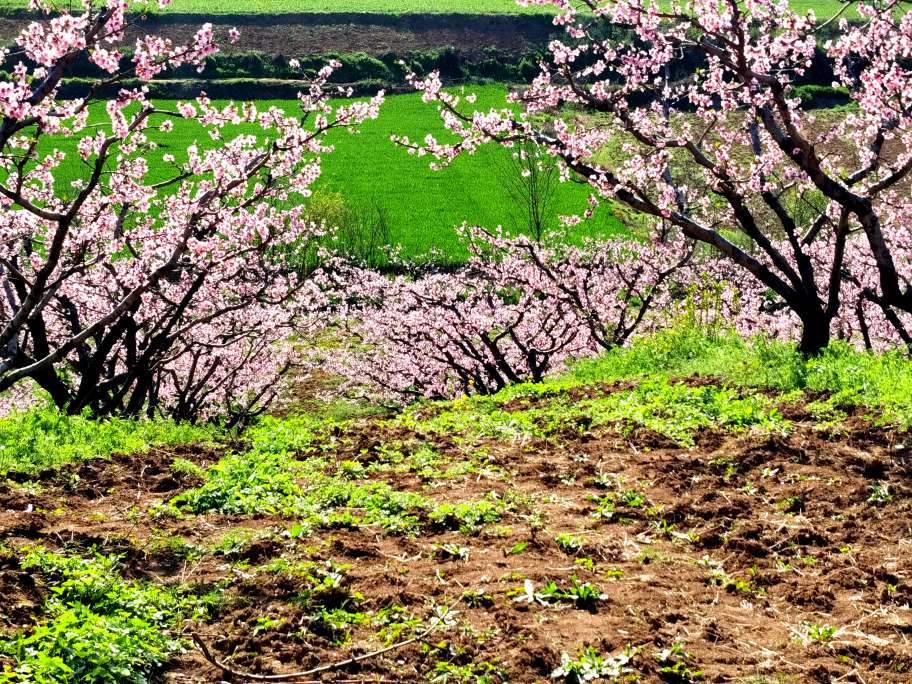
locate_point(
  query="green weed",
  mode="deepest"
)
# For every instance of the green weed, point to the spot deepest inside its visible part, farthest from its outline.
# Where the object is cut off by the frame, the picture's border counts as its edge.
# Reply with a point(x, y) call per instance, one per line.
point(819, 633)
point(569, 543)
point(675, 665)
point(590, 665)
point(44, 438)
point(880, 494)
point(96, 627)
point(582, 594)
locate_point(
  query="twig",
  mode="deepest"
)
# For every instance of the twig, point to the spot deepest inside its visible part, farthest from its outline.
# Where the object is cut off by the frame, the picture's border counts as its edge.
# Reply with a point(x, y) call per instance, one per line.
point(228, 670)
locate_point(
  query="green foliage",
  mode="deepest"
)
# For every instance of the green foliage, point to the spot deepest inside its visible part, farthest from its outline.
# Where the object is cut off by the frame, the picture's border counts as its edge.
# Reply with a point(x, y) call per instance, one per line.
point(471, 516)
point(517, 548)
point(336, 623)
point(880, 382)
point(582, 594)
point(687, 350)
point(880, 494)
point(719, 577)
point(255, 483)
point(287, 472)
point(182, 466)
point(97, 627)
point(477, 416)
point(675, 665)
point(679, 411)
point(286, 435)
point(361, 69)
point(569, 543)
point(820, 96)
point(819, 633)
point(626, 500)
point(675, 410)
point(395, 622)
point(249, 484)
point(43, 438)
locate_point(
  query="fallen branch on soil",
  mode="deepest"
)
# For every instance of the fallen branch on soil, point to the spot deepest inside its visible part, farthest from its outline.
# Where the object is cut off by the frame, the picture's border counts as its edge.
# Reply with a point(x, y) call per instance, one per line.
point(232, 672)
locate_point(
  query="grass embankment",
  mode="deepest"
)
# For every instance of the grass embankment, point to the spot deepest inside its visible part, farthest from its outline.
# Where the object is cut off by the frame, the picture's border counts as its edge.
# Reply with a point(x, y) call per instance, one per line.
point(608, 515)
point(842, 378)
point(421, 206)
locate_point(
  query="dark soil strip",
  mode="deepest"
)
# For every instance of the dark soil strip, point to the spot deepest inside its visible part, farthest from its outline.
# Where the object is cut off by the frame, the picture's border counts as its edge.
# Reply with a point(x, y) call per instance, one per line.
point(376, 34)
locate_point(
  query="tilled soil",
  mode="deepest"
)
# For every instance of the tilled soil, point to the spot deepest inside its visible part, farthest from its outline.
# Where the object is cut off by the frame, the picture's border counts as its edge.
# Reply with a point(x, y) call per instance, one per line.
point(299, 35)
point(743, 543)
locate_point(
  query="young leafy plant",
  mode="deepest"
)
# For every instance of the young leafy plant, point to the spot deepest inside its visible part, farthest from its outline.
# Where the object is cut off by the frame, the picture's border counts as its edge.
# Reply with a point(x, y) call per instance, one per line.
point(590, 665)
point(98, 628)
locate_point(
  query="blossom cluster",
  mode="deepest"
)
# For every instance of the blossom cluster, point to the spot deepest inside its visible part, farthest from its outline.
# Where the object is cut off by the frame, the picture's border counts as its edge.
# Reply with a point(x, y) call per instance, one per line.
point(516, 311)
point(519, 310)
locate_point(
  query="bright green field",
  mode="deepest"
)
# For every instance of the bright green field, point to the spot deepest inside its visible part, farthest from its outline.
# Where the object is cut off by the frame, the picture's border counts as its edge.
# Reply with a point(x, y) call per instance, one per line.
point(821, 7)
point(422, 206)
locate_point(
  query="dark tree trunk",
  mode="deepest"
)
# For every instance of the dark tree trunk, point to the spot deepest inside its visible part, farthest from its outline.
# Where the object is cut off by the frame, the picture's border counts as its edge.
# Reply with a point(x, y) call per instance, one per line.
point(815, 335)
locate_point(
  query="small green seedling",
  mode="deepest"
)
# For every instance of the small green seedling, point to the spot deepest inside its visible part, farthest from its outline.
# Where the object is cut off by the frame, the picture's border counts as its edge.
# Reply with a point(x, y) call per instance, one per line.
point(674, 664)
point(820, 633)
point(880, 494)
point(569, 543)
point(590, 665)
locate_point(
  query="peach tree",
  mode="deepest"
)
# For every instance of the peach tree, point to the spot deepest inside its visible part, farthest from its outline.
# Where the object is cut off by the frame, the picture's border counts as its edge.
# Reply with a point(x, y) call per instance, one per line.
point(135, 280)
point(689, 114)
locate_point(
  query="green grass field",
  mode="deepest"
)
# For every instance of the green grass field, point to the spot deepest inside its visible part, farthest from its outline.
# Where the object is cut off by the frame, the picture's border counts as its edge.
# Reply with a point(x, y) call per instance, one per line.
point(422, 206)
point(821, 7)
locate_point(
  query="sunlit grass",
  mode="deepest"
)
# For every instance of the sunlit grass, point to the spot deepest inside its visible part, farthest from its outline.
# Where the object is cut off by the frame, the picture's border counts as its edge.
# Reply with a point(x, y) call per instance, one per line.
point(422, 206)
point(44, 438)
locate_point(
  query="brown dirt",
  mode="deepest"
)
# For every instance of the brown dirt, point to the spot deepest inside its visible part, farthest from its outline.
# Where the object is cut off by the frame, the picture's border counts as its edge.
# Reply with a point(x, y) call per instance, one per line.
point(300, 35)
point(787, 517)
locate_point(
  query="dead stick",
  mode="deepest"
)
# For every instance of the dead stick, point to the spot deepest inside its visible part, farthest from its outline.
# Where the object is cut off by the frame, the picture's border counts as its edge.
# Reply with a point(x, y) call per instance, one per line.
point(224, 667)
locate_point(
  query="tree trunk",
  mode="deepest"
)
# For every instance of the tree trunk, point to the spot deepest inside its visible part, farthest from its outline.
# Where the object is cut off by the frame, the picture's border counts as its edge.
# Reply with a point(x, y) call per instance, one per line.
point(815, 335)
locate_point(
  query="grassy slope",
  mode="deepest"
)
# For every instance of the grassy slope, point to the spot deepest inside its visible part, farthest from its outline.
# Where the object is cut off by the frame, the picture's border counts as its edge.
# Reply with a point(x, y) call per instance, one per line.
point(878, 384)
point(42, 438)
point(821, 7)
point(423, 206)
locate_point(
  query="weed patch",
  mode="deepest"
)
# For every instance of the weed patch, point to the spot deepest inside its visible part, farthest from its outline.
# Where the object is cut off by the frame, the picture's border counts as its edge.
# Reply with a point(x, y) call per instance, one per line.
point(96, 627)
point(44, 438)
